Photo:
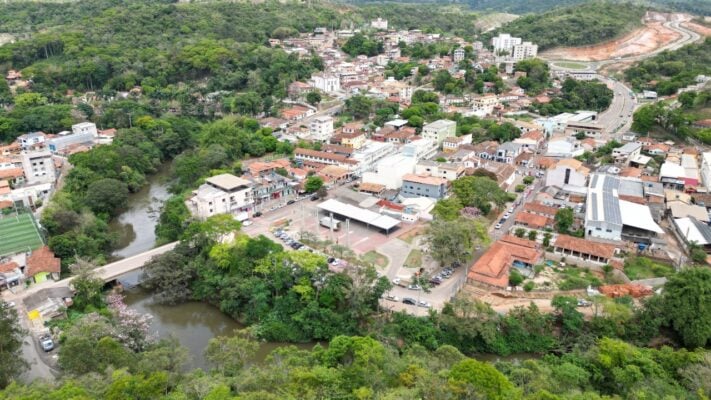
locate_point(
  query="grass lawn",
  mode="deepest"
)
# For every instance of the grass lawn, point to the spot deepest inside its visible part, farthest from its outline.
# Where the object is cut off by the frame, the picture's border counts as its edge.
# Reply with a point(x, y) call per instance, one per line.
point(571, 65)
point(644, 268)
point(577, 278)
point(414, 259)
point(18, 233)
point(376, 258)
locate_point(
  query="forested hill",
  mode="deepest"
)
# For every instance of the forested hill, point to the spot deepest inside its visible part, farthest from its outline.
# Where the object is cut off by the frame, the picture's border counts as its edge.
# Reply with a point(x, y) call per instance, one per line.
point(114, 45)
point(580, 25)
point(509, 6)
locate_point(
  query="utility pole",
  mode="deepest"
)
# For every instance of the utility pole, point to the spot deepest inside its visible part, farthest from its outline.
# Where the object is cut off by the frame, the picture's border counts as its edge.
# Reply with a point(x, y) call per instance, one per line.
point(348, 232)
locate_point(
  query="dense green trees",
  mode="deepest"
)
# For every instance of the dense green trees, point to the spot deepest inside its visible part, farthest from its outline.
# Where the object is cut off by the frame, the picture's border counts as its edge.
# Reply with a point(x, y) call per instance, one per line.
point(453, 241)
point(12, 364)
point(589, 23)
point(686, 305)
point(578, 95)
point(669, 71)
point(360, 44)
point(537, 75)
point(480, 192)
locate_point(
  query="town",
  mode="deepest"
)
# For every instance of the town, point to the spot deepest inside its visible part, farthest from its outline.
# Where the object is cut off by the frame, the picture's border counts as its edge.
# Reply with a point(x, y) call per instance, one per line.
point(430, 169)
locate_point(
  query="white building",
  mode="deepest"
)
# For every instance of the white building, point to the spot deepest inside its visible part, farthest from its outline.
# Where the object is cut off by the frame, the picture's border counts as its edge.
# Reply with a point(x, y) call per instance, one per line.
point(485, 104)
point(458, 55)
point(380, 24)
point(564, 147)
point(390, 170)
point(606, 216)
point(439, 130)
point(326, 82)
point(568, 171)
point(372, 152)
point(321, 128)
point(504, 43)
point(448, 171)
point(85, 127)
point(524, 51)
point(221, 194)
point(31, 139)
point(706, 169)
point(630, 151)
point(38, 167)
point(420, 149)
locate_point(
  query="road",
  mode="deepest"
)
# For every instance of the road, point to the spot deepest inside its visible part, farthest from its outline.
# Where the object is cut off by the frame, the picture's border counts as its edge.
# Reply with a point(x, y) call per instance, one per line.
point(618, 117)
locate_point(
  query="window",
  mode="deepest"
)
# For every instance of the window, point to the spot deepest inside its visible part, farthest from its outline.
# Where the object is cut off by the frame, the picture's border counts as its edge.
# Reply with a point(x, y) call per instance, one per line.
point(608, 230)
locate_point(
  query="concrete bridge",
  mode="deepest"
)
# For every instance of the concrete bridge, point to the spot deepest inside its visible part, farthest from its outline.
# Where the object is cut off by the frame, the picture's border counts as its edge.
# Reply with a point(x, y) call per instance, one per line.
point(108, 272)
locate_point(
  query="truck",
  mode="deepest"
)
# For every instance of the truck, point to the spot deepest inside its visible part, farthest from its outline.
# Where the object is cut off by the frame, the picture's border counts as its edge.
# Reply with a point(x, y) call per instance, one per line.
point(330, 223)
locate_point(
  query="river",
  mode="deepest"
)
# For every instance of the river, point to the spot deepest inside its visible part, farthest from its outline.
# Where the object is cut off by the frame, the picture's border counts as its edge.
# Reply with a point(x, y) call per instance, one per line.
point(192, 323)
point(136, 226)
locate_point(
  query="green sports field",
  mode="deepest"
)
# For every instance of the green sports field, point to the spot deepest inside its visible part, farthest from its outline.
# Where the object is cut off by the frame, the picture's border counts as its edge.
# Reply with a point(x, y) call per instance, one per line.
point(18, 233)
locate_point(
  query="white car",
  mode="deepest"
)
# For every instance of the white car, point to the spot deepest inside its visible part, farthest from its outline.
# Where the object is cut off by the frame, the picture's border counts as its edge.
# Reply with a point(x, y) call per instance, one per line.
point(247, 222)
point(396, 281)
point(511, 210)
point(506, 216)
point(498, 226)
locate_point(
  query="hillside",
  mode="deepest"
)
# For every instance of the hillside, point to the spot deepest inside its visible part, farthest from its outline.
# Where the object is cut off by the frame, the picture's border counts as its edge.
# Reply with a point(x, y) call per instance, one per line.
point(576, 26)
point(671, 70)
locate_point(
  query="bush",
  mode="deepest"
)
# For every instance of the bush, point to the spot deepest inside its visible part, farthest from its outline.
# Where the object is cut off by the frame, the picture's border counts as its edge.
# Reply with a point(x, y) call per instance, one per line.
point(520, 188)
point(528, 180)
point(529, 286)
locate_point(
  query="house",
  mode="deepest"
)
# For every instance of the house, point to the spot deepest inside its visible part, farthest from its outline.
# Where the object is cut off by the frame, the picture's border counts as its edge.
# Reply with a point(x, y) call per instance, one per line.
point(531, 140)
point(267, 188)
point(484, 105)
point(486, 150)
point(452, 143)
point(448, 171)
point(32, 139)
point(297, 113)
point(693, 231)
point(567, 171)
point(627, 153)
point(657, 149)
point(505, 173)
point(493, 267)
point(583, 249)
point(537, 208)
point(221, 194)
point(355, 139)
point(42, 265)
point(277, 124)
point(297, 89)
point(85, 128)
point(507, 152)
point(424, 186)
point(534, 221)
point(439, 130)
point(10, 274)
point(259, 168)
point(38, 167)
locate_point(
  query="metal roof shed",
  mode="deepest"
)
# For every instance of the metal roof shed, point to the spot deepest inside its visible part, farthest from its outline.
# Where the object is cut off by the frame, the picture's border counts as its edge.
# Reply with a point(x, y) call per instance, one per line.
point(367, 217)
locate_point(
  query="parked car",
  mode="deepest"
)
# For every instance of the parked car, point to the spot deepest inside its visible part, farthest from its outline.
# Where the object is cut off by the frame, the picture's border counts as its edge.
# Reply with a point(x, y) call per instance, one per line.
point(436, 281)
point(498, 225)
point(511, 210)
point(45, 340)
point(397, 281)
point(247, 222)
point(314, 198)
point(409, 300)
point(257, 214)
point(506, 216)
point(414, 287)
point(424, 304)
point(290, 202)
point(330, 259)
point(390, 297)
point(584, 303)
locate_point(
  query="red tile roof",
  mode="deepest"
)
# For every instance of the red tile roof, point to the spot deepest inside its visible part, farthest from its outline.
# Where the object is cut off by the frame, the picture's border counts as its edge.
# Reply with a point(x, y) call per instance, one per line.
point(585, 246)
point(8, 267)
point(534, 220)
point(42, 260)
point(492, 268)
point(11, 173)
point(539, 208)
